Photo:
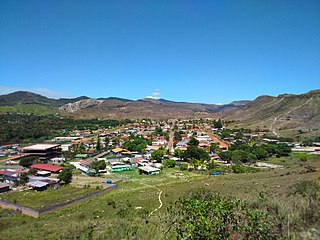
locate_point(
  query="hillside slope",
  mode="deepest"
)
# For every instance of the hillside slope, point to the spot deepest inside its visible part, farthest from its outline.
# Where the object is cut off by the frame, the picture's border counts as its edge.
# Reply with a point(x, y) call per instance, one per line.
point(111, 108)
point(145, 108)
point(23, 97)
point(286, 111)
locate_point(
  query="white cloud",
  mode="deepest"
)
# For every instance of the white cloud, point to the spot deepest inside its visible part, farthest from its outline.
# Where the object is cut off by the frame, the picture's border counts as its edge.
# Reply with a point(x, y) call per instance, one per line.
point(42, 91)
point(155, 94)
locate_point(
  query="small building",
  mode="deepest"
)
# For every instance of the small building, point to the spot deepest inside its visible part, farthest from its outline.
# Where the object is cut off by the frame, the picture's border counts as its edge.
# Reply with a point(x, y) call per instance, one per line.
point(43, 151)
point(49, 180)
point(122, 151)
point(43, 173)
point(66, 147)
point(57, 161)
point(47, 167)
point(66, 139)
point(4, 187)
point(10, 176)
point(148, 170)
point(121, 167)
point(38, 185)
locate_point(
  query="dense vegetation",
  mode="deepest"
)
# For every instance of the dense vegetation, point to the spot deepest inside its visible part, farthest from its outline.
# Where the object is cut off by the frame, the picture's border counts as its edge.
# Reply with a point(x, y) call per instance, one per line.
point(250, 153)
point(135, 143)
point(18, 128)
point(203, 215)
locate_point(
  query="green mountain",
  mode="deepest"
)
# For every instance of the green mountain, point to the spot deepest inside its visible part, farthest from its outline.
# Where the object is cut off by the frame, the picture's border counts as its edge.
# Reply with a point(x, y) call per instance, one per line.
point(23, 97)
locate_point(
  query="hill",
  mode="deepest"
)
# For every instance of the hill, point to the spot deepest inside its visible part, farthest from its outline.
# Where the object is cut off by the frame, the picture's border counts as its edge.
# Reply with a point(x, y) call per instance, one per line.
point(286, 111)
point(23, 97)
point(111, 107)
point(143, 108)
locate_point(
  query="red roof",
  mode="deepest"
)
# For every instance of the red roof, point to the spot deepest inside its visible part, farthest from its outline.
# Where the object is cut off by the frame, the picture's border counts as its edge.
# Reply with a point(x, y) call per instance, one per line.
point(46, 167)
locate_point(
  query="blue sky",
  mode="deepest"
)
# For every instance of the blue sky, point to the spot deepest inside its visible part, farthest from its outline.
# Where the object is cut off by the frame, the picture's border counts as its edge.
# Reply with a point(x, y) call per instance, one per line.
point(196, 51)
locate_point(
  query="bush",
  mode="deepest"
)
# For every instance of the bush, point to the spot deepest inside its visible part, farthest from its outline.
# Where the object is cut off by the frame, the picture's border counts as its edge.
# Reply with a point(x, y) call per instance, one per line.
point(183, 166)
point(169, 163)
point(203, 215)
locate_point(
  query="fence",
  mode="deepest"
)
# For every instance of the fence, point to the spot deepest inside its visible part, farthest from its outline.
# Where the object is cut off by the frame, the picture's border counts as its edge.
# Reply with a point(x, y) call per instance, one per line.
point(38, 213)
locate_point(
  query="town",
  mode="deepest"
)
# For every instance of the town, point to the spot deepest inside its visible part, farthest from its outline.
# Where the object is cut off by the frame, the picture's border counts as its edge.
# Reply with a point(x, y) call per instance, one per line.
point(144, 147)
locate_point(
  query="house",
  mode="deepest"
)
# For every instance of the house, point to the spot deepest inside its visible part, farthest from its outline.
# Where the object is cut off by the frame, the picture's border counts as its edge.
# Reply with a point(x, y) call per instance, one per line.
point(122, 151)
point(47, 167)
point(66, 139)
point(49, 180)
point(43, 151)
point(66, 147)
point(83, 169)
point(38, 185)
point(58, 161)
point(43, 173)
point(41, 183)
point(10, 176)
point(120, 168)
point(148, 170)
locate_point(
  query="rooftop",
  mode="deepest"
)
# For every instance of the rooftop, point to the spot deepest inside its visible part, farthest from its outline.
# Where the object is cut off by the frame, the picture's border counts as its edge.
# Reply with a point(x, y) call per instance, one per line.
point(46, 167)
point(41, 147)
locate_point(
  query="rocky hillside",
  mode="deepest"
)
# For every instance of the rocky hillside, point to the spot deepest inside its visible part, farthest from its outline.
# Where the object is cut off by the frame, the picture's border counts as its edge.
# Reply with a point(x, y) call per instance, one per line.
point(144, 108)
point(286, 111)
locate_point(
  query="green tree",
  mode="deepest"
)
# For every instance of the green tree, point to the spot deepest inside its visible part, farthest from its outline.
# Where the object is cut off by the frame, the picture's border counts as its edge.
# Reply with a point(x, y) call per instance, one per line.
point(178, 153)
point(106, 142)
point(197, 153)
point(98, 146)
point(177, 136)
point(213, 147)
point(260, 153)
point(217, 124)
point(66, 175)
point(193, 142)
point(169, 163)
point(183, 166)
point(225, 156)
point(27, 161)
point(157, 155)
point(98, 165)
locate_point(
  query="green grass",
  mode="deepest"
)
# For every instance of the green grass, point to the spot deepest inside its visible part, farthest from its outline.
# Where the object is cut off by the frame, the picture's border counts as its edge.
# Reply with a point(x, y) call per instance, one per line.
point(295, 160)
point(120, 213)
point(28, 109)
point(47, 198)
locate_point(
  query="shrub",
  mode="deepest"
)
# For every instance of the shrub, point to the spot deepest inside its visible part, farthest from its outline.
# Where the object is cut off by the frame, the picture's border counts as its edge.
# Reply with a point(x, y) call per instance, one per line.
point(183, 166)
point(169, 163)
point(204, 215)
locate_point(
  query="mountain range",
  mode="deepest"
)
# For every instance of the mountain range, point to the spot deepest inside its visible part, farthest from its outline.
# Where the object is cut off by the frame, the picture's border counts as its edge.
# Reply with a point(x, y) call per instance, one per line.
point(286, 111)
point(118, 108)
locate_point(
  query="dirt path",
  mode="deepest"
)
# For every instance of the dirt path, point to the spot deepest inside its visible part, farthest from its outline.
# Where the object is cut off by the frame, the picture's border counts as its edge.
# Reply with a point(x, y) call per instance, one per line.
point(160, 206)
point(290, 111)
point(159, 197)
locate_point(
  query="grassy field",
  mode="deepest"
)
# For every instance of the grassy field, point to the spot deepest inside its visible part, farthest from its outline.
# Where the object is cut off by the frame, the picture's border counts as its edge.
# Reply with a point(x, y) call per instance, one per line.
point(29, 108)
point(40, 200)
point(124, 213)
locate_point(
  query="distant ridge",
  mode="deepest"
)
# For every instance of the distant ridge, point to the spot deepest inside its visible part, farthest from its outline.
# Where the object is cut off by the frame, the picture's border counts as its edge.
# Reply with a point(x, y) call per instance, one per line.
point(24, 97)
point(118, 108)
